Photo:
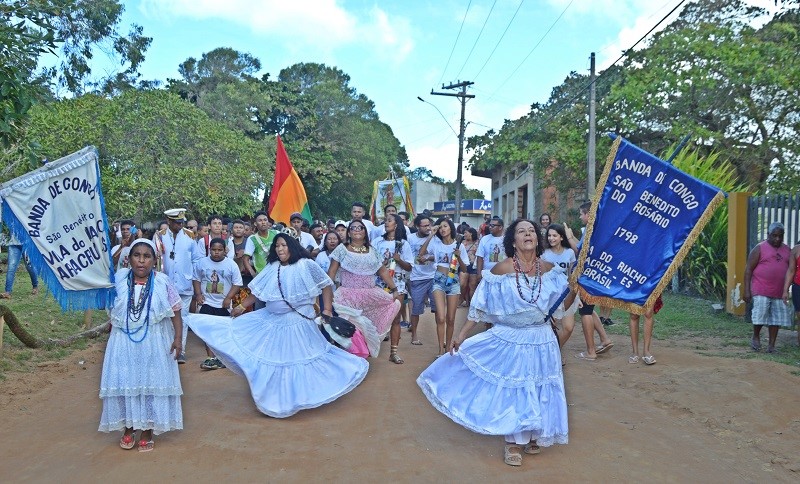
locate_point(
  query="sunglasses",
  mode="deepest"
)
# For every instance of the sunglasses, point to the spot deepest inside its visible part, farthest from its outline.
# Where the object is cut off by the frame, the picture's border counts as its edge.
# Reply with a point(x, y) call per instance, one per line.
point(495, 225)
point(357, 228)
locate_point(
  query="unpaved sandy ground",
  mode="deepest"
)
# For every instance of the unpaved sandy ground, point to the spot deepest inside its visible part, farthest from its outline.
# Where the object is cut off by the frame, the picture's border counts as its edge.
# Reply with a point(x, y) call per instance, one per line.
point(689, 418)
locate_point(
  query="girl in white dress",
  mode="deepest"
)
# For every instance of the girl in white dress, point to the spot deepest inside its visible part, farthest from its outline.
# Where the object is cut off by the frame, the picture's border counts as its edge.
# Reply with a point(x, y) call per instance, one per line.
point(508, 380)
point(140, 385)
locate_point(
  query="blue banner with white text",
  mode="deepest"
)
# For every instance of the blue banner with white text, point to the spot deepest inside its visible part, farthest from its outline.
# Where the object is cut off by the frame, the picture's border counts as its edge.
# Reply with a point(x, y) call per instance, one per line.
point(641, 225)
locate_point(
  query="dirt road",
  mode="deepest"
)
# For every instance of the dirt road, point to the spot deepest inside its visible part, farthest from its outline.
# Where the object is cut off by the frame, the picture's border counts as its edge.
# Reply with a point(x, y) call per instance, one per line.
point(688, 418)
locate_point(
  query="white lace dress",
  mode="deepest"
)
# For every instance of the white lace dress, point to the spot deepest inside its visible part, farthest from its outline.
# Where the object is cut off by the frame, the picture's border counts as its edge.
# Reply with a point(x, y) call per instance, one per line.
point(507, 380)
point(288, 364)
point(140, 385)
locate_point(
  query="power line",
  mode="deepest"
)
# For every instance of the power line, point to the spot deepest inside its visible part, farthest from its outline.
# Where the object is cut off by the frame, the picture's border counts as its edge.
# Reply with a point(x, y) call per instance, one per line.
point(477, 39)
point(534, 48)
point(500, 39)
point(456, 42)
point(624, 53)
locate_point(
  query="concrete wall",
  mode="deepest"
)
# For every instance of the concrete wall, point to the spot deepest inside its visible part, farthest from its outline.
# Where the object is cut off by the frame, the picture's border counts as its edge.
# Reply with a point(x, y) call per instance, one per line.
point(424, 193)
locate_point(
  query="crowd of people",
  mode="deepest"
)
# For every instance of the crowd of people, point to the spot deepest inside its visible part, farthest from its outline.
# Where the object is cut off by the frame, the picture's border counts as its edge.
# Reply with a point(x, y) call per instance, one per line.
point(257, 294)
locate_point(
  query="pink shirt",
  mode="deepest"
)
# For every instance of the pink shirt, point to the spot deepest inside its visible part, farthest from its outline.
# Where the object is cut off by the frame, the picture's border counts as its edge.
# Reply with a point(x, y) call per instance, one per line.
point(770, 272)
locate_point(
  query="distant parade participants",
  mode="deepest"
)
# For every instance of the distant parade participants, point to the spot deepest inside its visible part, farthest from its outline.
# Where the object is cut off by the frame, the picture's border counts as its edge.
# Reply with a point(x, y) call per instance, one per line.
point(490, 248)
point(178, 253)
point(330, 242)
point(257, 247)
point(288, 364)
point(119, 253)
point(368, 307)
point(341, 229)
point(214, 231)
point(139, 384)
point(421, 278)
point(395, 251)
point(358, 212)
point(508, 380)
point(306, 239)
point(217, 280)
point(449, 256)
point(469, 278)
point(192, 225)
point(764, 279)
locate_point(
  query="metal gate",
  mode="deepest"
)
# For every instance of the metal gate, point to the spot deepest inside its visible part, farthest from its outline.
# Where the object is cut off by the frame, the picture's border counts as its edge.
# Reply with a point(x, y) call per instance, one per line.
point(765, 209)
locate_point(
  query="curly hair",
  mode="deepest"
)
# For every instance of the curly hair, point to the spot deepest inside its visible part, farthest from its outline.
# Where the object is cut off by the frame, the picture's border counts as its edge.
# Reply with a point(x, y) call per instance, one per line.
point(508, 237)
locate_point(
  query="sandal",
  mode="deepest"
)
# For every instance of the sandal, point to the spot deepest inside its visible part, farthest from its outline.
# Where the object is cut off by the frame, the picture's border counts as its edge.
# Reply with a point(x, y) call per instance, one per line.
point(394, 357)
point(633, 359)
point(127, 441)
point(649, 360)
point(146, 445)
point(604, 347)
point(512, 455)
point(416, 342)
point(532, 448)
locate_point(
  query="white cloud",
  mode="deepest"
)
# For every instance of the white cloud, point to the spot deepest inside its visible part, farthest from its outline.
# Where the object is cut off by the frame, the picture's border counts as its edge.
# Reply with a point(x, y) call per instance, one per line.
point(323, 24)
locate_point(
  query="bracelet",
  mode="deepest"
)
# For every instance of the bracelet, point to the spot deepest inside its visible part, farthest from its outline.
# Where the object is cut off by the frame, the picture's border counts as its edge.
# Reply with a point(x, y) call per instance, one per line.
point(239, 306)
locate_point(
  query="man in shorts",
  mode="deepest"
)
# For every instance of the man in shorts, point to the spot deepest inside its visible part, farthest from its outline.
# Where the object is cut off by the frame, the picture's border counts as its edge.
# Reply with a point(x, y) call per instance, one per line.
point(422, 272)
point(764, 278)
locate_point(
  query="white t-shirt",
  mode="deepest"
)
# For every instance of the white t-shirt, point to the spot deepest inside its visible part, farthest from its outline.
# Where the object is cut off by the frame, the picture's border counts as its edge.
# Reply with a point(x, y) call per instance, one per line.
point(122, 263)
point(216, 279)
point(386, 249)
point(442, 253)
point(563, 260)
point(419, 272)
point(307, 240)
point(491, 250)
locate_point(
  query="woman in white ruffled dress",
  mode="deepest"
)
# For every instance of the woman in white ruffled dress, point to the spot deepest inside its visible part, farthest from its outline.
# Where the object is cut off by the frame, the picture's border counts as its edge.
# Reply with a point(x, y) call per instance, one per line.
point(288, 363)
point(140, 385)
point(508, 380)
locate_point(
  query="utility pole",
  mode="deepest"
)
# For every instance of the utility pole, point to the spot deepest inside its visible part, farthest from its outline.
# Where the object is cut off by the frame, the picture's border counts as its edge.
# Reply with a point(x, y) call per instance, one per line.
point(590, 159)
point(463, 96)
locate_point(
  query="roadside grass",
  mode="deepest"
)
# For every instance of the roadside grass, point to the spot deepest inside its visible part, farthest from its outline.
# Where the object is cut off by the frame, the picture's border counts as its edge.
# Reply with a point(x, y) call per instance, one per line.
point(715, 333)
point(41, 316)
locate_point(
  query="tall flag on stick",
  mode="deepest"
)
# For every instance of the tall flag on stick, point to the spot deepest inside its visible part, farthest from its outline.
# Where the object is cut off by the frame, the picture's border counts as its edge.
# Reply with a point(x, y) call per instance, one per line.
point(288, 195)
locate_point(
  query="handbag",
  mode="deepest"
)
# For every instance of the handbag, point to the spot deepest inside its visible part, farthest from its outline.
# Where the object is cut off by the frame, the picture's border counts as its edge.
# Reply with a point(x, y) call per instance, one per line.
point(335, 329)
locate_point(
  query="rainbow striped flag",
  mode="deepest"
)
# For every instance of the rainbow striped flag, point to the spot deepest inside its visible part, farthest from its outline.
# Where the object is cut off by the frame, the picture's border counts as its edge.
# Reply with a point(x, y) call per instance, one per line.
point(288, 195)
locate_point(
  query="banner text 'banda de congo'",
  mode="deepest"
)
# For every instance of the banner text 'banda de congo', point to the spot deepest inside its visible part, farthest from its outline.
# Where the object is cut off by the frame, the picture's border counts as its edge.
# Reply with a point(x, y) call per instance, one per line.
point(58, 214)
point(642, 224)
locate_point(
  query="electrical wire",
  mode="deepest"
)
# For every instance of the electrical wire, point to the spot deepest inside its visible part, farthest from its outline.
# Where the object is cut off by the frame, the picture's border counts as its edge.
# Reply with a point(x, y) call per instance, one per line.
point(477, 38)
point(499, 40)
point(533, 49)
point(456, 42)
point(587, 85)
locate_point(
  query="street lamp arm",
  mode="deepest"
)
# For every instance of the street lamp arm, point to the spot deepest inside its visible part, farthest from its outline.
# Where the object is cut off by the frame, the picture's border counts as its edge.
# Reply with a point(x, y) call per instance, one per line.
point(440, 114)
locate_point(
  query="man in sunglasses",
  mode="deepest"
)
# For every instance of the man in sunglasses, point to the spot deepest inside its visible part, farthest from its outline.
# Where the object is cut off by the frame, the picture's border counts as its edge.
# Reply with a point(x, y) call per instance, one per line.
point(490, 248)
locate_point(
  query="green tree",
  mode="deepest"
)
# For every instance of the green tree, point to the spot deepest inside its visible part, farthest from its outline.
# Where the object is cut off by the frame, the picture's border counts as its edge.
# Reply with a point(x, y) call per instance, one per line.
point(158, 151)
point(732, 86)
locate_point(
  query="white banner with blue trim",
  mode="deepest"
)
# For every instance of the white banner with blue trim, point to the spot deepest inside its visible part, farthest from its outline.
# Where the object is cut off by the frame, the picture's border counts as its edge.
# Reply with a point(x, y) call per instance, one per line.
point(58, 214)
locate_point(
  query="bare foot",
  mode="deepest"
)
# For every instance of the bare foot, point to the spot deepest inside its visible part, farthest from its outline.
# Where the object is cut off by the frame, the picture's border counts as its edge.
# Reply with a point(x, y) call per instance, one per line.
point(5, 295)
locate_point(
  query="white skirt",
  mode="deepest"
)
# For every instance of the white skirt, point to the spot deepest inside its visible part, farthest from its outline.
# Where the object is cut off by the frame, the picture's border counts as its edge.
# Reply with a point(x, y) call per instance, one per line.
point(140, 385)
point(503, 381)
point(286, 360)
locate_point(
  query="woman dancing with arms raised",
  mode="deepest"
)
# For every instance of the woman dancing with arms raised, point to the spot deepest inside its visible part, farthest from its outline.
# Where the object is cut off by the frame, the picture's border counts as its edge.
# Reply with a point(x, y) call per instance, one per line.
point(508, 380)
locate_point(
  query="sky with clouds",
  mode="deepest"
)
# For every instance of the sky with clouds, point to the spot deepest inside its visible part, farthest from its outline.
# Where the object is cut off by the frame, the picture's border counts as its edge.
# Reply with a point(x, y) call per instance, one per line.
point(515, 52)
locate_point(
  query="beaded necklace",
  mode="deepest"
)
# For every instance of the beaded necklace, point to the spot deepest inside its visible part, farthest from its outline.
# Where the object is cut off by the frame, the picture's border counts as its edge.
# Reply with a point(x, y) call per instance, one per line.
point(135, 309)
point(537, 281)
